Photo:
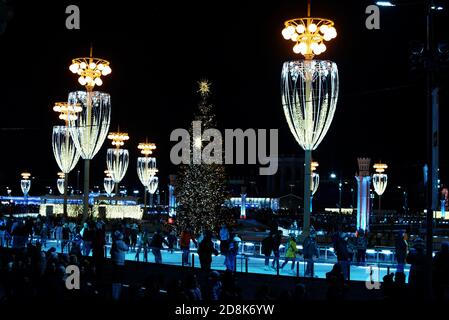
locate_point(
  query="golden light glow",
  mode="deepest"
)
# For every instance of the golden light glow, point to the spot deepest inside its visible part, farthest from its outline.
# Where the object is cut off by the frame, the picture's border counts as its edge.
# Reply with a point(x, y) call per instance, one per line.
point(107, 173)
point(67, 112)
point(90, 69)
point(118, 138)
point(309, 34)
point(25, 175)
point(314, 165)
point(380, 167)
point(204, 87)
point(146, 148)
point(61, 175)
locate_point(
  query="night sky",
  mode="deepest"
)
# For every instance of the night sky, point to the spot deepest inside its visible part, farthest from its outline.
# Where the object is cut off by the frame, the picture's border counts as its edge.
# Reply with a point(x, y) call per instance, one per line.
point(158, 52)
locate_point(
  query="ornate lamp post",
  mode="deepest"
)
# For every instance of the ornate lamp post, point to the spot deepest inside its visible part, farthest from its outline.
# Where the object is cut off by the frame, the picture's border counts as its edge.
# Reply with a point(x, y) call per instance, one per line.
point(309, 90)
point(152, 187)
point(64, 149)
point(108, 184)
point(90, 128)
point(380, 180)
point(146, 168)
point(60, 183)
point(314, 182)
point(25, 185)
point(117, 159)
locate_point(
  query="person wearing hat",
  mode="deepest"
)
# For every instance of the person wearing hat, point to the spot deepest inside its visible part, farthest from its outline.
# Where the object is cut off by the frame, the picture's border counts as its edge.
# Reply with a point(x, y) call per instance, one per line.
point(231, 253)
point(290, 254)
point(310, 250)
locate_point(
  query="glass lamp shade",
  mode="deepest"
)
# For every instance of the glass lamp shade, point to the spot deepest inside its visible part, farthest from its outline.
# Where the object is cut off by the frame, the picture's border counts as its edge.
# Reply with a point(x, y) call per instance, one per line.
point(309, 97)
point(315, 182)
point(152, 186)
point(146, 169)
point(60, 185)
point(108, 186)
point(64, 149)
point(380, 183)
point(117, 161)
point(90, 128)
point(25, 185)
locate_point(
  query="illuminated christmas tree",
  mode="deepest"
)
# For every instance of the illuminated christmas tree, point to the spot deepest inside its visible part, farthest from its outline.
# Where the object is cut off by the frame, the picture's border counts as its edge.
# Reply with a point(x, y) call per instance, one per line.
point(201, 188)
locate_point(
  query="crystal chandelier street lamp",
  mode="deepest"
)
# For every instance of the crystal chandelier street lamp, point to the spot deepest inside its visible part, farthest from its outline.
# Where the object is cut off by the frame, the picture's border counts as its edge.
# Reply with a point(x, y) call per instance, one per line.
point(309, 90)
point(60, 183)
point(314, 182)
point(152, 187)
point(90, 128)
point(64, 148)
point(117, 159)
point(380, 180)
point(25, 185)
point(108, 184)
point(146, 168)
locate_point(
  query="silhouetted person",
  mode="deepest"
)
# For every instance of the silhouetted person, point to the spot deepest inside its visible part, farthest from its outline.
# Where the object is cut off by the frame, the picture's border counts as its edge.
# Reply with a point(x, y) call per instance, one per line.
point(401, 246)
point(441, 272)
point(205, 251)
point(417, 276)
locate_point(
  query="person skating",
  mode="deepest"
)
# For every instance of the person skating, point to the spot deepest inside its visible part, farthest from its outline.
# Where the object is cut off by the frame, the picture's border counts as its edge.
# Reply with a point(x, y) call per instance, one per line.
point(267, 248)
point(156, 245)
point(186, 237)
point(205, 251)
point(290, 254)
point(310, 250)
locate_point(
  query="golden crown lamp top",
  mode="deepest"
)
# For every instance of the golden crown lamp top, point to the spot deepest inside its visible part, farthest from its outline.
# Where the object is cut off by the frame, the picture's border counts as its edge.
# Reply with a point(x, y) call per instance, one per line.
point(67, 111)
point(146, 148)
point(380, 167)
point(25, 175)
point(118, 138)
point(90, 70)
point(61, 175)
point(314, 165)
point(309, 34)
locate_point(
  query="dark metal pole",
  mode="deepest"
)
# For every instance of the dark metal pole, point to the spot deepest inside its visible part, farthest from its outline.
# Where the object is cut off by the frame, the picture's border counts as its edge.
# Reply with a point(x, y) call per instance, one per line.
point(86, 190)
point(431, 140)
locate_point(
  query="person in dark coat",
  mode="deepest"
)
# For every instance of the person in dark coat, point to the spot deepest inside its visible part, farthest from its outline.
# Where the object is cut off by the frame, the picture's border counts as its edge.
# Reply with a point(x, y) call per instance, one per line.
point(336, 283)
point(441, 272)
point(417, 276)
point(267, 248)
point(310, 250)
point(205, 251)
point(156, 245)
point(342, 253)
point(277, 238)
point(361, 245)
point(401, 246)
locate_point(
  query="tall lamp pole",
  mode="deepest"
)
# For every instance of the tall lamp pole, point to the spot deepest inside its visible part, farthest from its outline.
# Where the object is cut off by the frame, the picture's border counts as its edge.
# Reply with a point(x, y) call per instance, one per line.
point(309, 90)
point(90, 128)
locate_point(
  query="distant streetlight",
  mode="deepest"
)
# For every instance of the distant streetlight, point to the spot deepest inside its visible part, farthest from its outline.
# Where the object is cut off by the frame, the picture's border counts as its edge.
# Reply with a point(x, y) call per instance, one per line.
point(333, 176)
point(385, 4)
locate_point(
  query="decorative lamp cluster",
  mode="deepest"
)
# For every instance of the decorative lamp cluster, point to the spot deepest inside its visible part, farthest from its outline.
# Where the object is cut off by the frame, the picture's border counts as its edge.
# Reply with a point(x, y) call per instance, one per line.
point(380, 179)
point(118, 138)
point(25, 183)
point(309, 35)
point(67, 112)
point(146, 148)
point(90, 70)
